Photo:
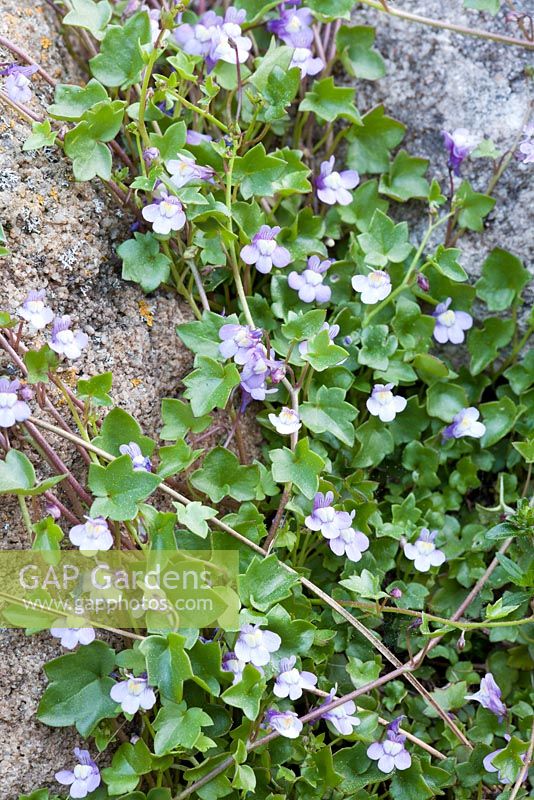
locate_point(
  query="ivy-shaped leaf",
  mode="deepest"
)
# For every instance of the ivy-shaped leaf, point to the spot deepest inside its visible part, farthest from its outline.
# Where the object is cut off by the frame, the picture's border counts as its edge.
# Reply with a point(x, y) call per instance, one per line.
point(222, 475)
point(17, 476)
point(301, 467)
point(330, 102)
point(209, 386)
point(120, 62)
point(405, 178)
point(143, 263)
point(328, 412)
point(119, 488)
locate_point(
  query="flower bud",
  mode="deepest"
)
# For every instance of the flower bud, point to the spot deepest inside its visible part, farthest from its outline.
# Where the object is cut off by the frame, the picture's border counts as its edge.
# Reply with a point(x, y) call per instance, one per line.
point(396, 593)
point(150, 155)
point(423, 283)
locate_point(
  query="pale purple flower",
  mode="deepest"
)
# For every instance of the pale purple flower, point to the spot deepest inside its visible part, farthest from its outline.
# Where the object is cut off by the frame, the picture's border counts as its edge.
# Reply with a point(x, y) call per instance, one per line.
point(12, 409)
point(166, 213)
point(83, 779)
point(489, 696)
point(489, 766)
point(341, 717)
point(293, 26)
point(333, 331)
point(150, 155)
point(264, 252)
point(140, 462)
point(229, 44)
point(290, 682)
point(185, 170)
point(53, 510)
point(343, 539)
point(231, 663)
point(260, 367)
point(323, 516)
point(450, 325)
point(458, 145)
point(373, 287)
point(333, 187)
point(384, 404)
point(238, 341)
point(93, 535)
point(34, 310)
point(286, 422)
point(197, 40)
point(390, 752)
point(18, 84)
point(526, 155)
point(133, 694)
point(309, 284)
point(194, 137)
point(66, 342)
point(70, 637)
point(255, 645)
point(465, 423)
point(424, 552)
point(308, 64)
point(286, 723)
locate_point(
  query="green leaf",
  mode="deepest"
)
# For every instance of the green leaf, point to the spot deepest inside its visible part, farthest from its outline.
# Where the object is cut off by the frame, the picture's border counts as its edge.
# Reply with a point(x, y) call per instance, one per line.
point(473, 206)
point(405, 178)
point(485, 344)
point(209, 386)
point(499, 418)
point(119, 488)
point(366, 201)
point(177, 727)
point(246, 694)
point(89, 157)
point(172, 140)
point(96, 389)
point(525, 449)
point(294, 178)
point(305, 325)
point(446, 262)
point(366, 585)
point(221, 475)
point(377, 345)
point(355, 46)
point(385, 241)
point(41, 136)
point(301, 467)
point(330, 102)
point(39, 363)
point(120, 62)
point(176, 458)
point(328, 412)
point(450, 698)
point(167, 663)
point(256, 172)
point(194, 516)
point(322, 353)
point(445, 400)
point(47, 540)
point(424, 463)
point(89, 15)
point(328, 10)
point(143, 263)
point(413, 328)
point(280, 91)
point(71, 102)
point(521, 376)
point(5, 320)
point(128, 764)
point(276, 56)
point(265, 583)
point(409, 784)
point(120, 428)
point(376, 443)
point(17, 476)
point(510, 761)
point(492, 6)
point(502, 279)
point(370, 144)
point(202, 336)
point(179, 419)
point(78, 689)
point(499, 609)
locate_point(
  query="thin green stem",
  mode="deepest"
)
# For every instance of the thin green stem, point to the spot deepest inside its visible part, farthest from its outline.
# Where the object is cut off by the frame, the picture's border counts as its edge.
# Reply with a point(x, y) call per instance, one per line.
point(233, 255)
point(25, 515)
point(142, 99)
point(192, 107)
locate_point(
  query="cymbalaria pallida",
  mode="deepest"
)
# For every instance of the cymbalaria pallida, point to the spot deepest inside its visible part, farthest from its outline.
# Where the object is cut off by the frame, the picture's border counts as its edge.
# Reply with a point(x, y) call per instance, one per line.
point(344, 465)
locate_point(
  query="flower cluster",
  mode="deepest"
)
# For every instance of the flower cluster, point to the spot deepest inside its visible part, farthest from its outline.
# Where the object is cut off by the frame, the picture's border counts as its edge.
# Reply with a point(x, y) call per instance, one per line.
point(391, 753)
point(12, 409)
point(336, 526)
point(243, 344)
point(216, 38)
point(18, 82)
point(293, 27)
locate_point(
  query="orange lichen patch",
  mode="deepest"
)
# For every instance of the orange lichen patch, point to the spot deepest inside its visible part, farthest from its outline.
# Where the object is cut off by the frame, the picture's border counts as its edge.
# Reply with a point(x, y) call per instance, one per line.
point(146, 313)
point(45, 42)
point(136, 382)
point(54, 193)
point(40, 199)
point(70, 377)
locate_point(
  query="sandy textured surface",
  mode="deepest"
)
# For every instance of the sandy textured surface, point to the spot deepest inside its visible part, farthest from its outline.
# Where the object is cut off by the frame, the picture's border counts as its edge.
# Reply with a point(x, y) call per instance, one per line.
point(63, 238)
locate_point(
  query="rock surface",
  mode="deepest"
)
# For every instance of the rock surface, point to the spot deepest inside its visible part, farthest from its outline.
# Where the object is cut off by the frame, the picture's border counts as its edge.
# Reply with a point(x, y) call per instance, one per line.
point(63, 235)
